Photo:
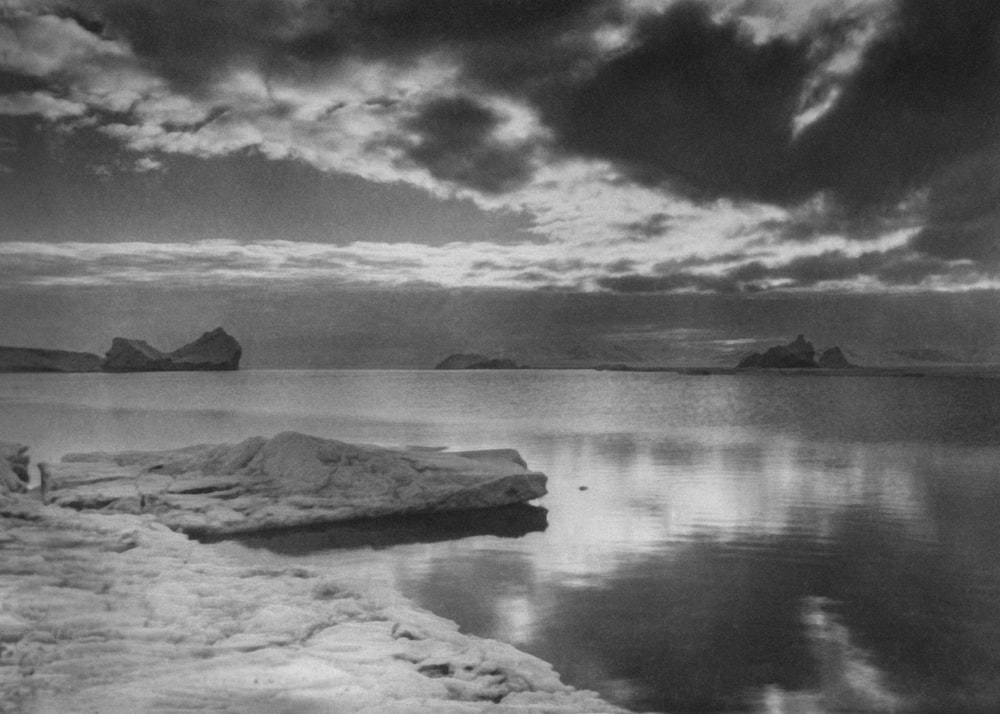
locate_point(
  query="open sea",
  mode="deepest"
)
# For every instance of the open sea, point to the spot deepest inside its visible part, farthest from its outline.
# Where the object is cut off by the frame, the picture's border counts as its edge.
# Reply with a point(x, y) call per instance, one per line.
point(709, 543)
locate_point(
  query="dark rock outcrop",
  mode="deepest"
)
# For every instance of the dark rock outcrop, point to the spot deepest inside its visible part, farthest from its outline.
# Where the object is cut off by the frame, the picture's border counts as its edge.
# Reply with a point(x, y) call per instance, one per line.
point(833, 358)
point(460, 361)
point(477, 361)
point(14, 461)
point(496, 363)
point(799, 354)
point(30, 359)
point(617, 367)
point(128, 355)
point(215, 350)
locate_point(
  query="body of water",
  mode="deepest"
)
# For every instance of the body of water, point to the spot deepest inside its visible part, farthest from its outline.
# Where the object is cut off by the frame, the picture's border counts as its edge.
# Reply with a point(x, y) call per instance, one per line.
point(709, 543)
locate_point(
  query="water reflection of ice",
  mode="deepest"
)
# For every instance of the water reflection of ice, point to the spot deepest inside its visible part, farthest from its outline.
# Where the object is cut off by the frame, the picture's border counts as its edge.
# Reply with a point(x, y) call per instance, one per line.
point(642, 493)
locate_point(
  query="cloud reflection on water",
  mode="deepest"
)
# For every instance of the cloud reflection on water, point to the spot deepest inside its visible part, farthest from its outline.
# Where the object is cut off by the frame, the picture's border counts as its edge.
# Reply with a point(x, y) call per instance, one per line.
point(676, 581)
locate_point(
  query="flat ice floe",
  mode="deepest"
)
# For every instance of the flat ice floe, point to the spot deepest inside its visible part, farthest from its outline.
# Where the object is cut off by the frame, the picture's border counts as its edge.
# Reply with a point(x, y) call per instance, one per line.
point(289, 480)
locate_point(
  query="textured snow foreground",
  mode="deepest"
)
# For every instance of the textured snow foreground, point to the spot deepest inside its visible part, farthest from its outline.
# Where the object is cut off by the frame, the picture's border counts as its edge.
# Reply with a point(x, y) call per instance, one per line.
point(114, 612)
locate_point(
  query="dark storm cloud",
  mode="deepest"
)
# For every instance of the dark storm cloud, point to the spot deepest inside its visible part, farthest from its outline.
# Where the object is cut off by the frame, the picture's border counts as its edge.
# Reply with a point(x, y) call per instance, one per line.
point(191, 41)
point(620, 266)
point(455, 143)
point(699, 106)
point(963, 218)
point(404, 25)
point(540, 58)
point(912, 270)
point(90, 22)
point(895, 267)
point(401, 28)
point(513, 44)
point(689, 100)
point(805, 223)
point(12, 83)
point(926, 95)
point(694, 104)
point(829, 266)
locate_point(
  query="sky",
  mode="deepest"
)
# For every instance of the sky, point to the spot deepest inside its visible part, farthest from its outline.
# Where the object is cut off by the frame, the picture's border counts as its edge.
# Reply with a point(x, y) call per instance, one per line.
point(170, 163)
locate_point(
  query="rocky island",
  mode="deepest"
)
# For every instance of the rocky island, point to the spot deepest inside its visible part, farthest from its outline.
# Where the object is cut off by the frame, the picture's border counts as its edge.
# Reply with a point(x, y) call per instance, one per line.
point(477, 361)
point(103, 610)
point(31, 359)
point(798, 354)
point(215, 350)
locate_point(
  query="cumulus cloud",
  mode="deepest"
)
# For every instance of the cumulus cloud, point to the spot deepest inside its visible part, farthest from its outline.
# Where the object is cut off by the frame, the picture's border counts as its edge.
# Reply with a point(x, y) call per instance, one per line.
point(146, 163)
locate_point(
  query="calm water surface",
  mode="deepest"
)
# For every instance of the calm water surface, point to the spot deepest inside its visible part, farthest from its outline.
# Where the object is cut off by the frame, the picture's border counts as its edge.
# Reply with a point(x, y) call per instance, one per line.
point(709, 543)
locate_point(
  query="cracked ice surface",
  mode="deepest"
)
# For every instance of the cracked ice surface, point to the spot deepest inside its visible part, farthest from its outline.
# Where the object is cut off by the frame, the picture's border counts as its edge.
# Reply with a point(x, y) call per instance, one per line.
point(117, 613)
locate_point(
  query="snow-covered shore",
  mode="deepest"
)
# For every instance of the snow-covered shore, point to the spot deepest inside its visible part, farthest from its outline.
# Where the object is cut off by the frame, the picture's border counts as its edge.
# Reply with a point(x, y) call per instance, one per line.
point(115, 612)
